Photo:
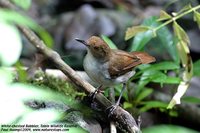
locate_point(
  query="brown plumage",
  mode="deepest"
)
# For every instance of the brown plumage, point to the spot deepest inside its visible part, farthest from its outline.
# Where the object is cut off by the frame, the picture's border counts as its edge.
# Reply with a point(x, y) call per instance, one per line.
point(123, 62)
point(103, 63)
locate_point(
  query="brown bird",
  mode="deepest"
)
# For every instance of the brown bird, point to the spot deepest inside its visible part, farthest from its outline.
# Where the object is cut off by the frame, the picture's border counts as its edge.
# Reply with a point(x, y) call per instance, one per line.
point(108, 67)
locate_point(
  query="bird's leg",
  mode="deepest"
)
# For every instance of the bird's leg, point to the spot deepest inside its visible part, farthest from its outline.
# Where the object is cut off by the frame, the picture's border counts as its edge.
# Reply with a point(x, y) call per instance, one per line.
point(98, 90)
point(139, 121)
point(112, 108)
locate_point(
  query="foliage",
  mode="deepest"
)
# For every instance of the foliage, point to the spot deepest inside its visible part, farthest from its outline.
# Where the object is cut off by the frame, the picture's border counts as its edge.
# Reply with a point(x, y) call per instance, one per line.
point(196, 70)
point(109, 42)
point(152, 28)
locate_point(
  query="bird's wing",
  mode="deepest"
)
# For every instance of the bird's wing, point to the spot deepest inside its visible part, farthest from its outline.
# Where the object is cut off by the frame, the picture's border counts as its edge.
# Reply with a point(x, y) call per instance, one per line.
point(123, 62)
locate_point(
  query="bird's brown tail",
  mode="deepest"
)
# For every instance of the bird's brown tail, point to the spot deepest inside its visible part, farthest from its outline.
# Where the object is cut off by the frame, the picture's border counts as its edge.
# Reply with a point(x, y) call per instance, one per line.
point(144, 57)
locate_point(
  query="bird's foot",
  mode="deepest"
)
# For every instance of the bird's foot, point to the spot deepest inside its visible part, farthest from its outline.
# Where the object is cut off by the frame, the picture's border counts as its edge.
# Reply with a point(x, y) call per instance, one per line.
point(111, 110)
point(92, 96)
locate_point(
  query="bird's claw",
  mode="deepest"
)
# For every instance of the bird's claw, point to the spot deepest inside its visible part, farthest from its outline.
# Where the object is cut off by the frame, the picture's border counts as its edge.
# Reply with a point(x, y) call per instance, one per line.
point(93, 94)
point(111, 110)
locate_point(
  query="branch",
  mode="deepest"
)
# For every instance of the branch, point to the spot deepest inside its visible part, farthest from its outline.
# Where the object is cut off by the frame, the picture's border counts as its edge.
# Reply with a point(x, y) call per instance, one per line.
point(122, 118)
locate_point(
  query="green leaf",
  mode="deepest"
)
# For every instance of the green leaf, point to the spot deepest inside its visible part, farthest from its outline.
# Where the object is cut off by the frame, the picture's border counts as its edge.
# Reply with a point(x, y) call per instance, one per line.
point(132, 31)
point(143, 94)
point(167, 129)
point(167, 80)
point(152, 104)
point(25, 4)
point(197, 18)
point(163, 35)
point(22, 73)
point(109, 42)
point(173, 113)
point(164, 16)
point(196, 70)
point(11, 45)
point(180, 33)
point(127, 105)
point(159, 77)
point(165, 38)
point(147, 77)
point(141, 40)
point(165, 65)
point(191, 99)
point(14, 17)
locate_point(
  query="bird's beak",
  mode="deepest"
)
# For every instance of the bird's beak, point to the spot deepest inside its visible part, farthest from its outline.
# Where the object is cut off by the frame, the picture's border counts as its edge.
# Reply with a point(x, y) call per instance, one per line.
point(81, 41)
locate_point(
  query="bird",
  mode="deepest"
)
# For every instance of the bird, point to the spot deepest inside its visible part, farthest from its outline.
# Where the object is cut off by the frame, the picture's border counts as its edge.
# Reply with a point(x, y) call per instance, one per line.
point(109, 67)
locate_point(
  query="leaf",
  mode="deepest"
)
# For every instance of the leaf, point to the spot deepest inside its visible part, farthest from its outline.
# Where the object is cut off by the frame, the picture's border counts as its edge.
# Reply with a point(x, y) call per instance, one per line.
point(143, 94)
point(164, 16)
point(186, 60)
point(14, 17)
point(180, 92)
point(167, 80)
point(132, 31)
point(165, 65)
point(173, 113)
point(191, 99)
point(11, 45)
point(167, 129)
point(25, 4)
point(109, 42)
point(152, 104)
point(141, 40)
point(163, 35)
point(196, 70)
point(197, 18)
point(127, 105)
point(156, 77)
point(180, 33)
point(166, 40)
point(22, 73)
point(159, 77)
